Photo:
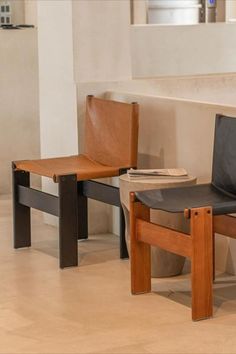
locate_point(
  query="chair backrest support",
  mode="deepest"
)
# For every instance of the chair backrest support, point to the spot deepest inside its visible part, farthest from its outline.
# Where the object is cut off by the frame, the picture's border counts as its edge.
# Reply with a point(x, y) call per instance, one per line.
point(224, 155)
point(111, 132)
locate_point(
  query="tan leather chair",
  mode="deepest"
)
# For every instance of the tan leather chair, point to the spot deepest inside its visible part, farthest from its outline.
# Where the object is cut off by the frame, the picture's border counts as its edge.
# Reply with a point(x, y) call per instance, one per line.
point(111, 138)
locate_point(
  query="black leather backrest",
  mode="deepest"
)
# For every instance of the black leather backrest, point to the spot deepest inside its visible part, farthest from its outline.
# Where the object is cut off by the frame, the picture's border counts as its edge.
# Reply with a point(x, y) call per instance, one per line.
point(224, 156)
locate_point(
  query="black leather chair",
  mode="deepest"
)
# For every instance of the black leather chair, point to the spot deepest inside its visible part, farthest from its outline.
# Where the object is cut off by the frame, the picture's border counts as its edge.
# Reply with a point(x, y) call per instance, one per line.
point(207, 206)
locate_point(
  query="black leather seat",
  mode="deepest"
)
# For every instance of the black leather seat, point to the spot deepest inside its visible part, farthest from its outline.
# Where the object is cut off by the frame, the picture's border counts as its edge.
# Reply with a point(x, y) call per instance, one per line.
point(220, 194)
point(176, 200)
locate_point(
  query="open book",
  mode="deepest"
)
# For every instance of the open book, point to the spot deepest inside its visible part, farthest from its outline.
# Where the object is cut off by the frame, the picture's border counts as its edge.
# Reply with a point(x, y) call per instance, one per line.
point(154, 173)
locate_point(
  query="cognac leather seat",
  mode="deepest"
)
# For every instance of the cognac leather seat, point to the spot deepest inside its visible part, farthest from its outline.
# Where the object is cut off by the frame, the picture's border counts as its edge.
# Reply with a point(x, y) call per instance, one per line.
point(111, 138)
point(81, 165)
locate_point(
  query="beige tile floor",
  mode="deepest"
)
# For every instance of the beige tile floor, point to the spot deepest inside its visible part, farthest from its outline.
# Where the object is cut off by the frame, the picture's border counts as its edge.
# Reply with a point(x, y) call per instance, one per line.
point(89, 309)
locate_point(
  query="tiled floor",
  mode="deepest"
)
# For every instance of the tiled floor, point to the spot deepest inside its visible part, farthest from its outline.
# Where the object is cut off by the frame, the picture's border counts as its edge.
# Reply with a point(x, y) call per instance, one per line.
point(89, 309)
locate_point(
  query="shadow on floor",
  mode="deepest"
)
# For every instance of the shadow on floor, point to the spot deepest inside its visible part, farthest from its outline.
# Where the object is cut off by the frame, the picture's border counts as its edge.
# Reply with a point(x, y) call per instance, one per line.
point(179, 291)
point(97, 249)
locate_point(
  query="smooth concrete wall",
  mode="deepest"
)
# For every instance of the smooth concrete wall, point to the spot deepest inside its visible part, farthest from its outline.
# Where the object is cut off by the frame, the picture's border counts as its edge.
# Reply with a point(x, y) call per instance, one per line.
point(31, 12)
point(58, 114)
point(139, 9)
point(218, 89)
point(101, 34)
point(18, 12)
point(57, 90)
point(19, 107)
point(182, 50)
point(180, 133)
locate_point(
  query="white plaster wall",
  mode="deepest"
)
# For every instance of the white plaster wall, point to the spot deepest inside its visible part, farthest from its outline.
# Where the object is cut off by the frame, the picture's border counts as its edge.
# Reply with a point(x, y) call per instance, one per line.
point(139, 11)
point(101, 31)
point(18, 12)
point(183, 50)
point(31, 12)
point(57, 90)
point(19, 108)
point(218, 89)
point(58, 114)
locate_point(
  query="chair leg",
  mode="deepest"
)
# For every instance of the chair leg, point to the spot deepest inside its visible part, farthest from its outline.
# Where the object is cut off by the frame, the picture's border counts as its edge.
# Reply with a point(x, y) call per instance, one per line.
point(123, 247)
point(82, 213)
point(214, 258)
point(140, 252)
point(202, 263)
point(21, 213)
point(68, 221)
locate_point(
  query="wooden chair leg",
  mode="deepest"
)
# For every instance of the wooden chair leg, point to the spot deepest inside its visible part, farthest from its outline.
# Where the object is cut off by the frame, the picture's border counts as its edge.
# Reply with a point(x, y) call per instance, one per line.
point(82, 213)
point(140, 252)
point(202, 263)
point(21, 213)
point(123, 247)
point(68, 221)
point(214, 258)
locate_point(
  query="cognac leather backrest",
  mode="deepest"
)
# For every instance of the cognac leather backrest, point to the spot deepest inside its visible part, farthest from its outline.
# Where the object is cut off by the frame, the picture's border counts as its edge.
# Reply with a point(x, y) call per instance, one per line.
point(224, 156)
point(111, 132)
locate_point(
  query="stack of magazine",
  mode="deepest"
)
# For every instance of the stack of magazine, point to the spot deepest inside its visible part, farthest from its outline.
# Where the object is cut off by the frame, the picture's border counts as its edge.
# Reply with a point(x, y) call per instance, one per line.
point(158, 173)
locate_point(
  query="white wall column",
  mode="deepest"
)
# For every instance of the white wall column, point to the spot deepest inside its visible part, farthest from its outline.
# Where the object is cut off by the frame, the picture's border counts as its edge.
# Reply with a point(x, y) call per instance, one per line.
point(57, 90)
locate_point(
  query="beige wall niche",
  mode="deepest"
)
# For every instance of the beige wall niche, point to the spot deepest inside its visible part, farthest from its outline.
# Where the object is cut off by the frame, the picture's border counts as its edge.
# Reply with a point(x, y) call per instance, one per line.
point(17, 12)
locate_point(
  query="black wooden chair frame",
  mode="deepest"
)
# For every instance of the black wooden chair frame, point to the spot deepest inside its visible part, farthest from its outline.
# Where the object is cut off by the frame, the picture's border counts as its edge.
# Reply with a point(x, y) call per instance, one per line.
point(70, 206)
